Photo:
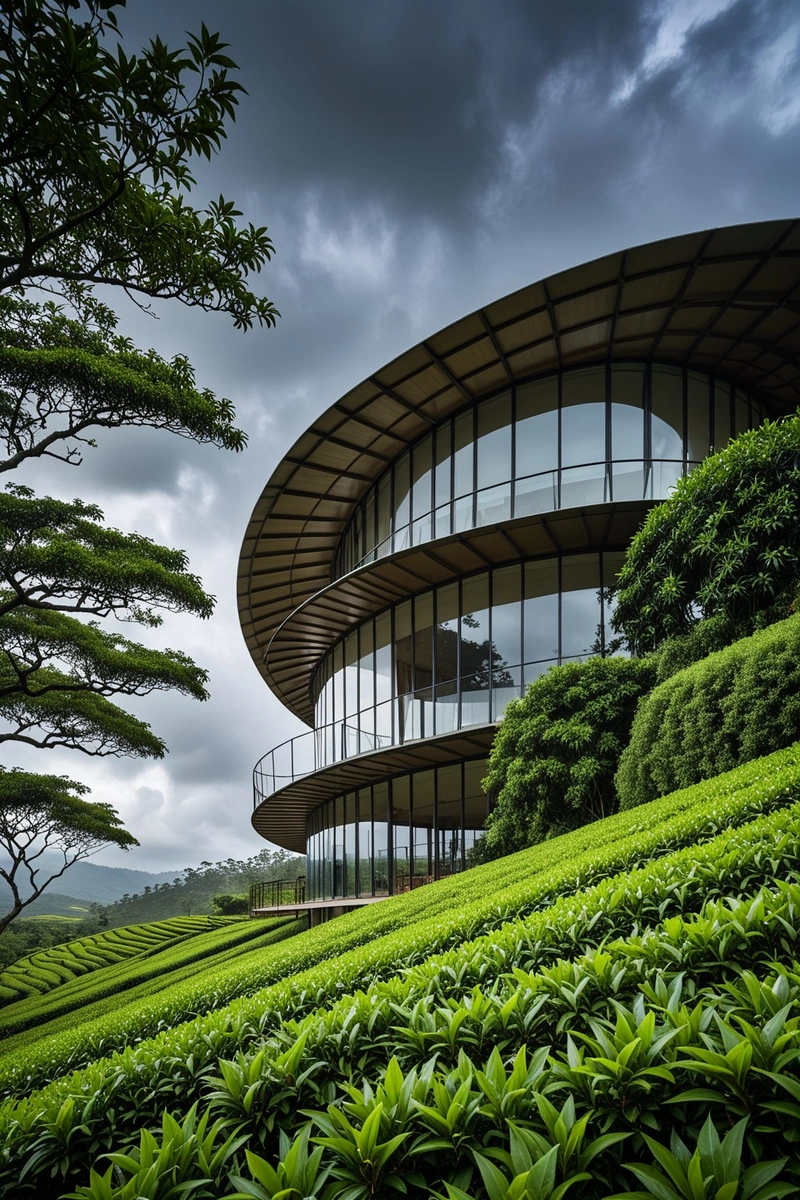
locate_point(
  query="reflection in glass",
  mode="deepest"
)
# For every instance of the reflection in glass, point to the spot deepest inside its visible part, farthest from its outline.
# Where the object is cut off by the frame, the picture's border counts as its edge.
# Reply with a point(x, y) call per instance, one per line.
point(583, 417)
point(494, 441)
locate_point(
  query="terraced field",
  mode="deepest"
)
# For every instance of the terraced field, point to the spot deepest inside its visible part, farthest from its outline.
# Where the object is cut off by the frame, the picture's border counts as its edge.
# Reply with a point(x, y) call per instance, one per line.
point(588, 1012)
point(106, 988)
point(44, 970)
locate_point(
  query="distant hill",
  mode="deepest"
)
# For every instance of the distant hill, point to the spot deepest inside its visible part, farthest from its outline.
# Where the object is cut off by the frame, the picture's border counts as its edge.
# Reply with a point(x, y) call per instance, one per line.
point(52, 904)
point(92, 882)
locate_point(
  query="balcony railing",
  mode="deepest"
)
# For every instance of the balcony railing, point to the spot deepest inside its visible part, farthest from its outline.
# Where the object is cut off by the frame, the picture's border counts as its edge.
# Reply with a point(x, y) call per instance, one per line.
point(274, 893)
point(442, 708)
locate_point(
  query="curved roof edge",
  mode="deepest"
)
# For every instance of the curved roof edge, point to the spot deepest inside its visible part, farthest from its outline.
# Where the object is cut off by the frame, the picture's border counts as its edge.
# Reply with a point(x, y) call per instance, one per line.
point(723, 299)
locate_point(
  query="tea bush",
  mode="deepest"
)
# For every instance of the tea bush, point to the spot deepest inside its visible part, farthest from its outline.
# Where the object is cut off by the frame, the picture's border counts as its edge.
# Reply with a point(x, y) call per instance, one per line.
point(141, 975)
point(382, 938)
point(735, 705)
point(581, 1037)
point(37, 973)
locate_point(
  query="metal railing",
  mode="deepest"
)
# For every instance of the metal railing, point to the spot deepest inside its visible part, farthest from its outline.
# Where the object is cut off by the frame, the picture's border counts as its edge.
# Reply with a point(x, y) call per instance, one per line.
point(526, 495)
point(273, 893)
point(444, 707)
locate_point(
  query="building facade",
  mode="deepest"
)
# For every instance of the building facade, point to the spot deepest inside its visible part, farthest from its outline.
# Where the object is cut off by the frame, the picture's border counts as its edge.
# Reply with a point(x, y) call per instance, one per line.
point(449, 529)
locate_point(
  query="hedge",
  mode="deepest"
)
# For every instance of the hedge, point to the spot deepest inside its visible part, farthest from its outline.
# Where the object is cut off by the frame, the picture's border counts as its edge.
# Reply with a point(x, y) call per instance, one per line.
point(734, 706)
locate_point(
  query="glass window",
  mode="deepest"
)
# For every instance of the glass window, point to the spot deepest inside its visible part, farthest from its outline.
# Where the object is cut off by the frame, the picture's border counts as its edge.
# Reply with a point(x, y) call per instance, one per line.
point(463, 452)
point(537, 427)
point(722, 415)
point(404, 679)
point(424, 821)
point(421, 492)
point(365, 850)
point(581, 486)
point(380, 836)
point(369, 526)
point(540, 614)
point(450, 842)
point(506, 637)
point(493, 505)
point(338, 682)
point(612, 565)
point(742, 412)
point(666, 431)
point(423, 641)
point(338, 846)
point(351, 673)
point(627, 413)
point(583, 417)
point(627, 432)
point(402, 502)
point(475, 804)
point(326, 847)
point(350, 820)
point(699, 433)
point(476, 650)
point(494, 441)
point(447, 623)
point(581, 628)
point(384, 515)
point(401, 819)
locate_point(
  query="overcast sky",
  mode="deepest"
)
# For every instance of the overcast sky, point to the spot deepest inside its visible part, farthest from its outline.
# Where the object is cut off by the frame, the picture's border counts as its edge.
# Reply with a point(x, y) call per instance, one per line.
point(413, 159)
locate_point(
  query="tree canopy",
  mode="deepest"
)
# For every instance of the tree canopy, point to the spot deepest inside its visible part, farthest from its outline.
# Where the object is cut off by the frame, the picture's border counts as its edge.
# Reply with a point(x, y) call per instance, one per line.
point(725, 545)
point(96, 154)
point(63, 376)
point(95, 157)
point(41, 813)
point(552, 763)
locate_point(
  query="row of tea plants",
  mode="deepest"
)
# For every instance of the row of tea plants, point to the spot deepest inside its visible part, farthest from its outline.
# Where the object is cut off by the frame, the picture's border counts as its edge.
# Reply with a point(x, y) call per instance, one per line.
point(619, 997)
point(378, 941)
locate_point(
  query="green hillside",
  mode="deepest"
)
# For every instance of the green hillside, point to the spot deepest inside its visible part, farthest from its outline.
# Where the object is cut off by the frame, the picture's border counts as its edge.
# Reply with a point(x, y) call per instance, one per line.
point(44, 970)
point(101, 986)
point(559, 1015)
point(54, 905)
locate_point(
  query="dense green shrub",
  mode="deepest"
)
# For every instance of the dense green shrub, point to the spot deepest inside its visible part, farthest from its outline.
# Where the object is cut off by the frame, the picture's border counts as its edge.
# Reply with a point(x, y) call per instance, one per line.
point(552, 764)
point(726, 543)
point(226, 905)
point(733, 706)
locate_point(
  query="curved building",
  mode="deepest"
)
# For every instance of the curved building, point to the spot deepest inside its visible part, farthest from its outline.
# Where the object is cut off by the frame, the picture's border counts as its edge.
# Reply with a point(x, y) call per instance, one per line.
point(446, 531)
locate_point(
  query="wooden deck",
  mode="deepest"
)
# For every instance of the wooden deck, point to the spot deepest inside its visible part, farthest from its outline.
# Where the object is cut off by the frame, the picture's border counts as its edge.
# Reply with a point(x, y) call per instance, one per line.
point(316, 906)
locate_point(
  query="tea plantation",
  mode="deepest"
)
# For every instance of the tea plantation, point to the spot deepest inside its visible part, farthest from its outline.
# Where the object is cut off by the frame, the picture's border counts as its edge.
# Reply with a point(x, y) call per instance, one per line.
point(615, 1012)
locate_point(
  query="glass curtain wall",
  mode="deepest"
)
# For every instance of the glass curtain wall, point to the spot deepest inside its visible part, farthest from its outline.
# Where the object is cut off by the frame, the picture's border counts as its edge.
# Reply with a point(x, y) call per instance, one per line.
point(620, 431)
point(397, 834)
point(457, 654)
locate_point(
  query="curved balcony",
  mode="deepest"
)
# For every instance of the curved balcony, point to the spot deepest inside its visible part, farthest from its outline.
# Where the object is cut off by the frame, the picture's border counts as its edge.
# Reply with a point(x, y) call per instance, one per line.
point(444, 708)
point(580, 485)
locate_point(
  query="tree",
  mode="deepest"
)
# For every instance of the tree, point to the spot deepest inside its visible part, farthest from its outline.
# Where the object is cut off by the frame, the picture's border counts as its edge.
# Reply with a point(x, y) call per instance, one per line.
point(555, 753)
point(40, 813)
point(725, 545)
point(95, 154)
point(94, 162)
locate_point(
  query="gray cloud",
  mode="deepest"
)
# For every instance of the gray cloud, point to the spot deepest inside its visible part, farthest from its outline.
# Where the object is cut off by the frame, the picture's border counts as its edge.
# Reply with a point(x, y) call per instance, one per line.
point(412, 161)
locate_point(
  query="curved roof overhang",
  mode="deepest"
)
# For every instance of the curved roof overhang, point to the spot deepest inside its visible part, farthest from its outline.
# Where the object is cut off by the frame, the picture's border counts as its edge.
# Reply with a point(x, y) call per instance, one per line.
point(281, 817)
point(308, 632)
point(722, 300)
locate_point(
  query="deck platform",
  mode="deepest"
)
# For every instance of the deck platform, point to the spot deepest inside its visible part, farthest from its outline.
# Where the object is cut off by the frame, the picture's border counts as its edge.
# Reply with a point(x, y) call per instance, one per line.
point(317, 910)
